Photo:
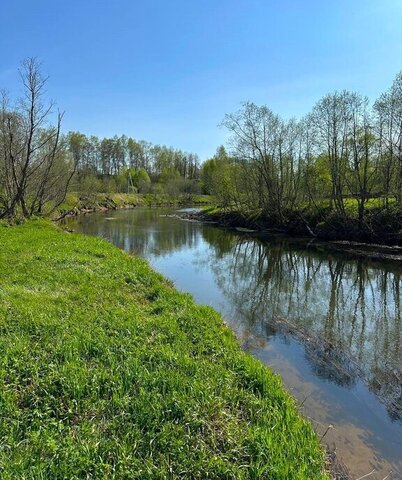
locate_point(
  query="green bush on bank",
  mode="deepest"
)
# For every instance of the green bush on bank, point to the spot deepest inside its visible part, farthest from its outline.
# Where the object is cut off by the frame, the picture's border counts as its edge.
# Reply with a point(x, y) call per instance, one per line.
point(108, 372)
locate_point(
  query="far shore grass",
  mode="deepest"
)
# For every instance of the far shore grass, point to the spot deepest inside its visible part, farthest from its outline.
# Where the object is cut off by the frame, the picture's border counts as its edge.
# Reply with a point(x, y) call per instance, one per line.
point(108, 372)
point(76, 202)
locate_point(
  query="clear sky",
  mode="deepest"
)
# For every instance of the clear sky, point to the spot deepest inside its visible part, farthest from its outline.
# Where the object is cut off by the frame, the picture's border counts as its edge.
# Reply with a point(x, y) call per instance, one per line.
point(168, 70)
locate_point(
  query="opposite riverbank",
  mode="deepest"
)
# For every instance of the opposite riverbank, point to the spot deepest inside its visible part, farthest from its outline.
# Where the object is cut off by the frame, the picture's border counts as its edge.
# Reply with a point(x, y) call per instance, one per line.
point(381, 226)
point(109, 372)
point(381, 239)
point(259, 226)
point(76, 204)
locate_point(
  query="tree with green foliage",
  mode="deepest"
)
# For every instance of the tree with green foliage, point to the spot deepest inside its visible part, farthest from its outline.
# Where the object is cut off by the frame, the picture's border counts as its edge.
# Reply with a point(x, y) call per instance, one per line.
point(168, 174)
point(141, 180)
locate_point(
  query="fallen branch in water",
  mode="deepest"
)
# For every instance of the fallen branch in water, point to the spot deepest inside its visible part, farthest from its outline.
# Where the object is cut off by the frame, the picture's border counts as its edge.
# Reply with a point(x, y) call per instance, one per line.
point(67, 213)
point(326, 431)
point(367, 475)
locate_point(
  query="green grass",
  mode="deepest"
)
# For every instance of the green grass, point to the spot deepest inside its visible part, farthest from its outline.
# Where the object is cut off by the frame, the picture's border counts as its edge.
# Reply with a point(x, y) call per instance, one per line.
point(212, 210)
point(152, 199)
point(106, 371)
point(98, 201)
point(351, 204)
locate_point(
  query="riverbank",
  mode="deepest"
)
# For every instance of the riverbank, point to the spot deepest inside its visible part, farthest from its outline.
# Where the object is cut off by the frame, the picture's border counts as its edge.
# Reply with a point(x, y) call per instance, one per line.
point(76, 204)
point(108, 371)
point(332, 243)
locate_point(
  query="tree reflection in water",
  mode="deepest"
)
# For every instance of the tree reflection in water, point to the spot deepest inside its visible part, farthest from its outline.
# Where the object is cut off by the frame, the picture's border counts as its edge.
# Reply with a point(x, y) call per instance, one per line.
point(347, 312)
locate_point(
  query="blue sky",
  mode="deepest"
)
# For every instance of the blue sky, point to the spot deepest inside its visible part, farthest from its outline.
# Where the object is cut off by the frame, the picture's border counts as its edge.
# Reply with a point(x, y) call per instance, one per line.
point(168, 71)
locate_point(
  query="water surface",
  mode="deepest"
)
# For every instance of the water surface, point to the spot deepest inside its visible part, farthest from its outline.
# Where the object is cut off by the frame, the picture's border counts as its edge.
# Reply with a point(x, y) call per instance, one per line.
point(329, 325)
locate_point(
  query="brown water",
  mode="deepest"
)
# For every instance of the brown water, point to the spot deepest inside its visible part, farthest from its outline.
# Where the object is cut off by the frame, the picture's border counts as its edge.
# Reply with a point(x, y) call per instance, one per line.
point(330, 325)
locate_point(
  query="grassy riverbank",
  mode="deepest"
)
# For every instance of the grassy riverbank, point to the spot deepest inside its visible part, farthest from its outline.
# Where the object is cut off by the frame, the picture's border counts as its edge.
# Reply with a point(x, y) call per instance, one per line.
point(108, 372)
point(76, 203)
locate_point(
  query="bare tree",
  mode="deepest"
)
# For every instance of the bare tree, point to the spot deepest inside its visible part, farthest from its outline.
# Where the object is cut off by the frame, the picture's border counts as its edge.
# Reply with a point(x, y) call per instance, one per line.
point(389, 129)
point(36, 169)
point(331, 117)
point(269, 146)
point(362, 163)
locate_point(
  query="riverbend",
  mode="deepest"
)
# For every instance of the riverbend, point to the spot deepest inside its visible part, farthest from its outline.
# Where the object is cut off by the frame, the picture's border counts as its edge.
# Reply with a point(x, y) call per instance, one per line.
point(329, 324)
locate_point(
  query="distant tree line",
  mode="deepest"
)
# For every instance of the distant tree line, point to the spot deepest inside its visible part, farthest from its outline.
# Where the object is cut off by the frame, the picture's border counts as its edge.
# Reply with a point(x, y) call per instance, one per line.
point(125, 164)
point(344, 156)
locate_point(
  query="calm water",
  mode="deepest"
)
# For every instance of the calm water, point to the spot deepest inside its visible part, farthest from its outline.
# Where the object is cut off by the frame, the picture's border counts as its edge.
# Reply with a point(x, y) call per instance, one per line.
point(331, 326)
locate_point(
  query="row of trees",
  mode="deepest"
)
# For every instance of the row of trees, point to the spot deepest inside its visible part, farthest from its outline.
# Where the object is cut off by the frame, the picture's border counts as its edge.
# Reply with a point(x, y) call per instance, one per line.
point(110, 156)
point(344, 149)
point(124, 164)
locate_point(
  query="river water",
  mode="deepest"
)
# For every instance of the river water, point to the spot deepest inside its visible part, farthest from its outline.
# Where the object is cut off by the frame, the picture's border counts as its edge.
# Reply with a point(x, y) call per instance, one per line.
point(328, 324)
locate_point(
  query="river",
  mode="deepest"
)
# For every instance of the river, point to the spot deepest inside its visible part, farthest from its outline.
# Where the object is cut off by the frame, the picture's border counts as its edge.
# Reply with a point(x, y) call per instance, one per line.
point(330, 325)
